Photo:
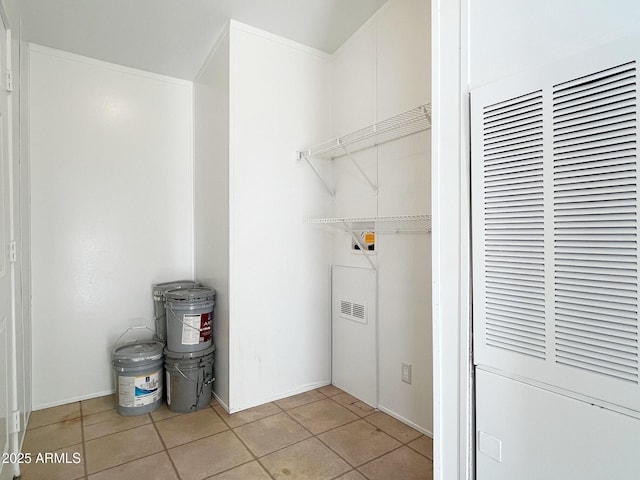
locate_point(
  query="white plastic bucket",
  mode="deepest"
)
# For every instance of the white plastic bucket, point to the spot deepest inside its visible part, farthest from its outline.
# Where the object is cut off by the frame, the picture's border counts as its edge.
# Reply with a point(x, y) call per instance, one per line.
point(158, 304)
point(189, 379)
point(137, 367)
point(189, 319)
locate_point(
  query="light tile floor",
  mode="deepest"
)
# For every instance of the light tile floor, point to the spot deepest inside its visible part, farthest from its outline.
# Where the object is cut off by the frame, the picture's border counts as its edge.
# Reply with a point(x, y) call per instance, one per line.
point(323, 434)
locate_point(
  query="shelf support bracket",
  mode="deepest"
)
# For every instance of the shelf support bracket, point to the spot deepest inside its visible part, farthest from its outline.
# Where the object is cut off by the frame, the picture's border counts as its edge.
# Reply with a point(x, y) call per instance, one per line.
point(359, 243)
point(373, 186)
point(427, 113)
point(305, 156)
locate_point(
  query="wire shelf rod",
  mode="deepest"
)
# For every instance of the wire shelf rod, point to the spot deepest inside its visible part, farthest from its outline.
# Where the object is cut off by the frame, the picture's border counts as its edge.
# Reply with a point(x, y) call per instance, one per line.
point(398, 126)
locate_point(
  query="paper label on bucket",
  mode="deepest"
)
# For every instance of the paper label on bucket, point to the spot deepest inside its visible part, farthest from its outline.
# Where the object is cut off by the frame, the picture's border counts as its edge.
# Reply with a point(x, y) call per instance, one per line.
point(196, 328)
point(140, 391)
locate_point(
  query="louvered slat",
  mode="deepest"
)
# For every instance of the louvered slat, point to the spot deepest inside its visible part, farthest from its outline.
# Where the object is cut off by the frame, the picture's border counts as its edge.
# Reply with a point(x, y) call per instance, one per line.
point(595, 223)
point(514, 225)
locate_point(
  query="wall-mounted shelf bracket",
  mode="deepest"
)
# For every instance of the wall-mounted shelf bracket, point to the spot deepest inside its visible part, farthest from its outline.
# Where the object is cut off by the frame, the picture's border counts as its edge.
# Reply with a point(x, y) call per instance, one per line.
point(373, 186)
point(304, 155)
point(402, 125)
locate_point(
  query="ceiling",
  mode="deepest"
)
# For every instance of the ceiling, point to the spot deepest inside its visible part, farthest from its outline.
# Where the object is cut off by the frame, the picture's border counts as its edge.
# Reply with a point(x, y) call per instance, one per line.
point(173, 37)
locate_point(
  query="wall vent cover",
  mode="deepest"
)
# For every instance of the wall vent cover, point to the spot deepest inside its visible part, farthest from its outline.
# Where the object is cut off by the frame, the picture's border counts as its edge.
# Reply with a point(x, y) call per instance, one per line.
point(555, 189)
point(595, 222)
point(353, 311)
point(514, 225)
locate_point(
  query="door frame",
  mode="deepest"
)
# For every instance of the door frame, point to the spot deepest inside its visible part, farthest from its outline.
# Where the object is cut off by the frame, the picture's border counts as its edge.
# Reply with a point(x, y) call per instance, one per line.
point(15, 222)
point(454, 433)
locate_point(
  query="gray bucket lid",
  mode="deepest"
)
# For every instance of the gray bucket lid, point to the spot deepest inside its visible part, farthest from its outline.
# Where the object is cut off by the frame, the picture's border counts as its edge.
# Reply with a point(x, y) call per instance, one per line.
point(138, 351)
point(161, 288)
point(188, 355)
point(190, 294)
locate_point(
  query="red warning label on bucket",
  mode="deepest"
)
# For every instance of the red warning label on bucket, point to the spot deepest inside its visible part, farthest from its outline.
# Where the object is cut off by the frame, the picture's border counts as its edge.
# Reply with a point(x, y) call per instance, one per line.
point(205, 326)
point(196, 328)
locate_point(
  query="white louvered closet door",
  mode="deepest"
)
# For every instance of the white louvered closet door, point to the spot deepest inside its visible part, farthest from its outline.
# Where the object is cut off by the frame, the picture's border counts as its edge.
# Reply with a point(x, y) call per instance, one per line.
point(555, 225)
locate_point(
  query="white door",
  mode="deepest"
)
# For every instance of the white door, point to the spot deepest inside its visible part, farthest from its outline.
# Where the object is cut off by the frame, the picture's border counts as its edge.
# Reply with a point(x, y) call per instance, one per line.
point(6, 300)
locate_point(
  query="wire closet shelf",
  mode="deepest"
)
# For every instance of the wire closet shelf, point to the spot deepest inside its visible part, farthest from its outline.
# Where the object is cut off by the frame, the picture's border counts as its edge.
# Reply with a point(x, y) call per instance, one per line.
point(386, 224)
point(412, 121)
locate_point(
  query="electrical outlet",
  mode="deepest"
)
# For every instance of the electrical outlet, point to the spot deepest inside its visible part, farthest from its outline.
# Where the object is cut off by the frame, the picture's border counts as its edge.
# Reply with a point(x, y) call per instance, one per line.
point(406, 373)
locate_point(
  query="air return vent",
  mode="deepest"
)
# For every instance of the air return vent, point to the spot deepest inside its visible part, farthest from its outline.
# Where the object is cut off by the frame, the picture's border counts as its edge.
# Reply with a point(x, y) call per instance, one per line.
point(554, 188)
point(353, 311)
point(595, 222)
point(514, 225)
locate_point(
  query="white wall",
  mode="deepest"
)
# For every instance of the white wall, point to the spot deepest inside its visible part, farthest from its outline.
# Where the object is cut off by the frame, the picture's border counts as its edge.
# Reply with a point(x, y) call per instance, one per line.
point(507, 37)
point(258, 99)
point(382, 70)
point(211, 209)
point(111, 166)
point(279, 285)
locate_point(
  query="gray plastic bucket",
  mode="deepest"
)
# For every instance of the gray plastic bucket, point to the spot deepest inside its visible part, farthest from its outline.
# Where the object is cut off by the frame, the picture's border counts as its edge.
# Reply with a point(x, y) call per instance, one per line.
point(158, 304)
point(189, 319)
point(189, 379)
point(137, 368)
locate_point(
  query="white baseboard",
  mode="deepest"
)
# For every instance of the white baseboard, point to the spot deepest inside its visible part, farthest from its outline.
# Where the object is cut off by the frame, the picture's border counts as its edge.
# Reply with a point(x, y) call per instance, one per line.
point(405, 421)
point(72, 399)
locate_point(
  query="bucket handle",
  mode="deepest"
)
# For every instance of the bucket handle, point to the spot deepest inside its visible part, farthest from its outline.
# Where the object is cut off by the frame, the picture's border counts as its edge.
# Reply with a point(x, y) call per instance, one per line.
point(208, 382)
point(139, 327)
point(182, 321)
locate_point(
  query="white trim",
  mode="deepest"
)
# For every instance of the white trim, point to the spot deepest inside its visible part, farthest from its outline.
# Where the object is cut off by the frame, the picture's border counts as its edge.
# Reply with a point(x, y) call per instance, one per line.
point(73, 57)
point(242, 27)
point(192, 169)
point(222, 404)
point(214, 49)
point(453, 432)
point(73, 399)
point(413, 425)
point(279, 396)
point(231, 341)
point(371, 22)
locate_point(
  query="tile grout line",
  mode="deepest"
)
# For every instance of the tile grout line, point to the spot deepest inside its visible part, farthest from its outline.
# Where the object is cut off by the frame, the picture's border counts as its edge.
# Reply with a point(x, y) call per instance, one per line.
point(255, 458)
point(355, 468)
point(84, 447)
point(128, 461)
point(119, 431)
point(250, 422)
point(378, 458)
point(405, 444)
point(164, 445)
point(316, 436)
point(228, 429)
point(229, 469)
point(419, 453)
